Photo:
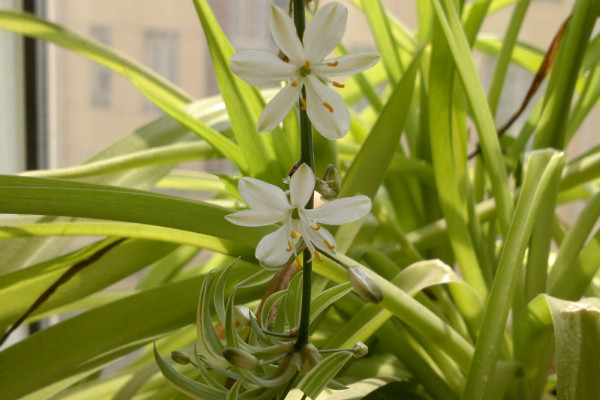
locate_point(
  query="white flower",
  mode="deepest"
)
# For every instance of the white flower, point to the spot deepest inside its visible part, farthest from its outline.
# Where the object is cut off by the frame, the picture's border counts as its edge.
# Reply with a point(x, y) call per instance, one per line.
point(269, 204)
point(306, 68)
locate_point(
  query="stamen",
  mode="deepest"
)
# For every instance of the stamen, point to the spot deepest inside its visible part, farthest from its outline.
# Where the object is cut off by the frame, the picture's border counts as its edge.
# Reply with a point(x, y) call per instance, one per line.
point(294, 84)
point(289, 246)
point(318, 256)
point(338, 85)
point(294, 235)
point(331, 247)
point(307, 64)
point(333, 64)
point(303, 104)
point(327, 106)
point(298, 265)
point(317, 227)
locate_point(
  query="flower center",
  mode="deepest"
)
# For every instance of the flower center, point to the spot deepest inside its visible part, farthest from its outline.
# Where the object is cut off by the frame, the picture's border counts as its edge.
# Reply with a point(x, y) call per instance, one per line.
point(305, 69)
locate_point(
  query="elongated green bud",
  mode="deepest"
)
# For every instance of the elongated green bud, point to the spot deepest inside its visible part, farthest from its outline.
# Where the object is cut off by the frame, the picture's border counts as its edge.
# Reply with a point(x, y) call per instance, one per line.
point(240, 358)
point(360, 350)
point(364, 285)
point(181, 357)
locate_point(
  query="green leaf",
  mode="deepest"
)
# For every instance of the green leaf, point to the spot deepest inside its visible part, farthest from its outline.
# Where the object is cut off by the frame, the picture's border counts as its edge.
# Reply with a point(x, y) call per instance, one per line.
point(268, 305)
point(319, 376)
point(169, 154)
point(208, 343)
point(165, 269)
point(219, 294)
point(192, 180)
point(374, 157)
point(590, 95)
point(543, 169)
point(504, 58)
point(293, 302)
point(20, 195)
point(19, 290)
point(382, 33)
point(414, 278)
point(448, 163)
point(234, 392)
point(563, 278)
point(163, 131)
point(95, 337)
point(577, 333)
point(449, 21)
point(551, 130)
point(130, 230)
point(185, 385)
point(174, 107)
point(372, 161)
point(243, 105)
point(326, 298)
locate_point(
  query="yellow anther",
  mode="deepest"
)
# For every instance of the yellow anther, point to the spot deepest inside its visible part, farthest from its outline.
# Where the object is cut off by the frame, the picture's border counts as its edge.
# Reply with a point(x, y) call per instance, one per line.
point(307, 64)
point(298, 264)
point(318, 256)
point(303, 107)
point(294, 84)
point(338, 85)
point(289, 246)
point(331, 247)
point(316, 228)
point(333, 64)
point(294, 235)
point(327, 106)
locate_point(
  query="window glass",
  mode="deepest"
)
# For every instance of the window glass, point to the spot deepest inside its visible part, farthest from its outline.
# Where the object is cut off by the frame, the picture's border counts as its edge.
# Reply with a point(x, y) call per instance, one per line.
point(101, 76)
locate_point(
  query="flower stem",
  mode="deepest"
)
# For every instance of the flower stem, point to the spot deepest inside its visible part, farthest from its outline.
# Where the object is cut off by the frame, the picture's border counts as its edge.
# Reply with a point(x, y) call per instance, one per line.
point(307, 157)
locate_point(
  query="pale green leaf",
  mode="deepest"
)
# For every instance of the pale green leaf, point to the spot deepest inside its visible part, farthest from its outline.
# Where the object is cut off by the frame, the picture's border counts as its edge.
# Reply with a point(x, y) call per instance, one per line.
point(319, 376)
point(187, 386)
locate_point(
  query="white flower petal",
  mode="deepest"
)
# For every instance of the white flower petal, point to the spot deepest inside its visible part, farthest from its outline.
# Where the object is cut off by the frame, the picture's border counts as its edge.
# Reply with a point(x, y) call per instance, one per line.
point(285, 36)
point(253, 218)
point(346, 65)
point(278, 107)
point(326, 109)
point(264, 197)
point(324, 241)
point(325, 31)
point(315, 235)
point(273, 248)
point(341, 211)
point(302, 186)
point(261, 68)
point(303, 229)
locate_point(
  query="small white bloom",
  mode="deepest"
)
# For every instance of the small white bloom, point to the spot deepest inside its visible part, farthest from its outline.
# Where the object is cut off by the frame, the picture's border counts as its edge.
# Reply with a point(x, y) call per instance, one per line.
point(307, 68)
point(269, 204)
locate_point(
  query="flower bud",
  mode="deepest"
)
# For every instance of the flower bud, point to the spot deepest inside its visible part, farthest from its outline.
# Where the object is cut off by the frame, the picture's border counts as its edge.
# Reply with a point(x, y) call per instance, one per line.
point(243, 314)
point(181, 357)
point(364, 285)
point(240, 358)
point(360, 350)
point(330, 185)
